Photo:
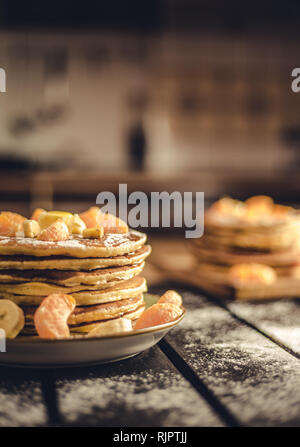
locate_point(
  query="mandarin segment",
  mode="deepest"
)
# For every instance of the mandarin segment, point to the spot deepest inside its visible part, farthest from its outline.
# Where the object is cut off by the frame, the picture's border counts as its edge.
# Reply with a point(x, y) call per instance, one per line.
point(228, 207)
point(170, 296)
point(51, 317)
point(91, 217)
point(159, 313)
point(255, 210)
point(282, 210)
point(36, 213)
point(94, 217)
point(251, 273)
point(113, 224)
point(56, 232)
point(5, 227)
point(10, 223)
point(261, 202)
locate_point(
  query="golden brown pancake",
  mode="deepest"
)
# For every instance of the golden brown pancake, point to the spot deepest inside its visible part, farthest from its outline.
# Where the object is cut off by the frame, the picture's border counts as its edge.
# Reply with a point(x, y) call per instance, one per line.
point(88, 317)
point(224, 224)
point(105, 311)
point(26, 262)
point(124, 289)
point(101, 278)
point(256, 241)
point(111, 244)
point(210, 269)
point(230, 256)
point(279, 235)
point(87, 327)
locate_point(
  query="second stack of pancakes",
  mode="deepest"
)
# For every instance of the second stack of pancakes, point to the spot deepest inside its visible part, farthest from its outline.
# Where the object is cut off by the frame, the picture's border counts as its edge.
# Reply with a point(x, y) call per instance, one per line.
point(103, 276)
point(255, 231)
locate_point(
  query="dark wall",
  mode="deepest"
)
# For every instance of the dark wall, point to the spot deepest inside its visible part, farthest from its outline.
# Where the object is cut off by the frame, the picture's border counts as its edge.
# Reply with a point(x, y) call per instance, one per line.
point(149, 15)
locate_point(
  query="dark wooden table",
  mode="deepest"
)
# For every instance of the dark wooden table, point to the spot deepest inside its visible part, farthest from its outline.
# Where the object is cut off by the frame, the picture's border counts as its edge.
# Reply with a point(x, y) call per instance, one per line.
point(225, 365)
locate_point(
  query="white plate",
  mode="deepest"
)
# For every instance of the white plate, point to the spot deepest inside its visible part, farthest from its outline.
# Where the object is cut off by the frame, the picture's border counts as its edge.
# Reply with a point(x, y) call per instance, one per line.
point(39, 353)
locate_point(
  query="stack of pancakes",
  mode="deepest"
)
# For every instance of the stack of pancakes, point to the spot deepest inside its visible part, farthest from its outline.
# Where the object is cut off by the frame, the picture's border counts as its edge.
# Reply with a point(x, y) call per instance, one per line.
point(102, 275)
point(239, 233)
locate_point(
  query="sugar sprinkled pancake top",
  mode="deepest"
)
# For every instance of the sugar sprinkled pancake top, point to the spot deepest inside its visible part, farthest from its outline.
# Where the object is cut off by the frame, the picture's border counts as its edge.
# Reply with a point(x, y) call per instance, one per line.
point(111, 244)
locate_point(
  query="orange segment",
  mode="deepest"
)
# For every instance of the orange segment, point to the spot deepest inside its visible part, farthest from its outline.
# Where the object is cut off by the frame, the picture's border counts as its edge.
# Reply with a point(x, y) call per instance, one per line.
point(251, 273)
point(50, 319)
point(282, 210)
point(93, 217)
point(56, 232)
point(10, 223)
point(258, 206)
point(36, 213)
point(170, 296)
point(157, 314)
point(228, 207)
point(5, 226)
point(113, 224)
point(262, 202)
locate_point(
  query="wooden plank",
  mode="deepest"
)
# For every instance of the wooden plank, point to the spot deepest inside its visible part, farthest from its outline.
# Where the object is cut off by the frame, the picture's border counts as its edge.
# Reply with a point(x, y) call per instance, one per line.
point(143, 391)
point(278, 319)
point(254, 378)
point(21, 398)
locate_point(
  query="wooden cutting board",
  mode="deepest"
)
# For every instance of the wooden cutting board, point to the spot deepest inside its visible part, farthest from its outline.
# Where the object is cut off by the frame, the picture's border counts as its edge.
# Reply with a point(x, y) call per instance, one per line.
point(215, 284)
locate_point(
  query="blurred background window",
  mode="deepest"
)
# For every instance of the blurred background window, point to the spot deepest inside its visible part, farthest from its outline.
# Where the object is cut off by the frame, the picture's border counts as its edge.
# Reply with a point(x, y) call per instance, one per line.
point(181, 94)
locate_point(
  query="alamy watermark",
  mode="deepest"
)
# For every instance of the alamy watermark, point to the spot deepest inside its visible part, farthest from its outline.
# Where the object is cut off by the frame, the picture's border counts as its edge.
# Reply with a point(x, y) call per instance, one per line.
point(2, 340)
point(155, 210)
point(2, 80)
point(295, 85)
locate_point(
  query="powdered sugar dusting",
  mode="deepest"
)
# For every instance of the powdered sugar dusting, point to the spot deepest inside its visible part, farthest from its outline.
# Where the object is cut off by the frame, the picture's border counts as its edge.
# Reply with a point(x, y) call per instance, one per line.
point(280, 319)
point(256, 379)
point(31, 242)
point(133, 393)
point(108, 240)
point(75, 246)
point(21, 404)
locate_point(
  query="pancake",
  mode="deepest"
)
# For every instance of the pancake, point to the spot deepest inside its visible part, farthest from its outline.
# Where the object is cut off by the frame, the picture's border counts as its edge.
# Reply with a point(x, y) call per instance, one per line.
point(274, 236)
point(45, 289)
point(105, 311)
point(111, 244)
point(87, 327)
point(94, 317)
point(124, 289)
point(230, 256)
point(256, 241)
point(210, 269)
point(100, 277)
point(230, 224)
point(26, 262)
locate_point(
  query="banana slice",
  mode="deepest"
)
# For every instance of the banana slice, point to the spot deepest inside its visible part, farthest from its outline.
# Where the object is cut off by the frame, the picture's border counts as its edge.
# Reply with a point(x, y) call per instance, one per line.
point(49, 217)
point(93, 233)
point(112, 327)
point(78, 226)
point(31, 228)
point(11, 318)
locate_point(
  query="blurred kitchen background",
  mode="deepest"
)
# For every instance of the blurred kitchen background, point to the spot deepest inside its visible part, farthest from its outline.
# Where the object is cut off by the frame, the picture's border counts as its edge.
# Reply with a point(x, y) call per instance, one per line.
point(188, 95)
